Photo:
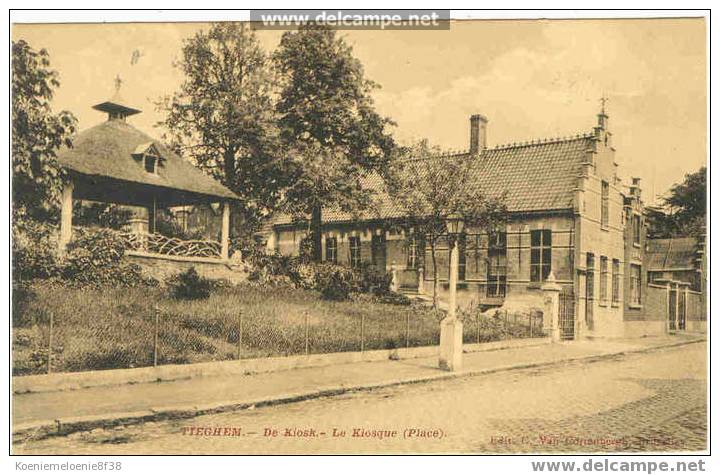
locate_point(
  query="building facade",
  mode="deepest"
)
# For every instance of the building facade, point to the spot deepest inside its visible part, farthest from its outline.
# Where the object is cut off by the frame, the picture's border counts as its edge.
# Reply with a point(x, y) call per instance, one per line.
point(570, 215)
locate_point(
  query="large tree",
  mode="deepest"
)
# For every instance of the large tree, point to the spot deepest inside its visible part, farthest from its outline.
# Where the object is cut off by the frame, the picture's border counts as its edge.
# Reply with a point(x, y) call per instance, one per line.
point(37, 134)
point(683, 211)
point(429, 185)
point(222, 118)
point(328, 124)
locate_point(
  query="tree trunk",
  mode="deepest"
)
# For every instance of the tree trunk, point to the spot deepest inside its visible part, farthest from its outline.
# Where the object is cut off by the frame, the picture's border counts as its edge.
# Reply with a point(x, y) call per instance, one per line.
point(229, 166)
point(316, 232)
point(435, 275)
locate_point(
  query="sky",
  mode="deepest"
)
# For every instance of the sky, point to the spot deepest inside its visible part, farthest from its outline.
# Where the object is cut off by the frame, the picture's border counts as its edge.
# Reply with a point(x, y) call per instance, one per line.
point(531, 79)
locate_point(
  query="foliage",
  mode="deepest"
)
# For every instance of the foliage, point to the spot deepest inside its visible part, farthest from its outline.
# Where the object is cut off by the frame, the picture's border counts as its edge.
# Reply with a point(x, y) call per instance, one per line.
point(93, 248)
point(92, 258)
point(393, 298)
point(222, 118)
point(328, 125)
point(429, 186)
point(270, 269)
point(104, 215)
point(683, 211)
point(334, 282)
point(375, 280)
point(34, 247)
point(37, 133)
point(190, 285)
point(22, 296)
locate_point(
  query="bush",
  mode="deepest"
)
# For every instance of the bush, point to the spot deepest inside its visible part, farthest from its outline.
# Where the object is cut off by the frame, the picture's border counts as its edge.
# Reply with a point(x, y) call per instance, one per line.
point(92, 250)
point(189, 285)
point(22, 296)
point(334, 282)
point(394, 298)
point(304, 274)
point(375, 280)
point(34, 250)
point(93, 257)
point(270, 268)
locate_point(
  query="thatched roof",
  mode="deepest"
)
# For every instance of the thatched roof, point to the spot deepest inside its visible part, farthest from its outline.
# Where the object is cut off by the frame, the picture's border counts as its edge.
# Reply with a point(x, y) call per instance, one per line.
point(109, 151)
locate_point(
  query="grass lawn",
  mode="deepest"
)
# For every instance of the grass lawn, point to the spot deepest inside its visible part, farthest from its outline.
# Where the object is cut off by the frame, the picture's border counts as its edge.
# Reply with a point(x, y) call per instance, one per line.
point(115, 327)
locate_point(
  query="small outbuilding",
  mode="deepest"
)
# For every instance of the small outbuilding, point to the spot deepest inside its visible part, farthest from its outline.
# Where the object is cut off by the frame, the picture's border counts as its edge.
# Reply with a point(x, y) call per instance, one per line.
point(114, 162)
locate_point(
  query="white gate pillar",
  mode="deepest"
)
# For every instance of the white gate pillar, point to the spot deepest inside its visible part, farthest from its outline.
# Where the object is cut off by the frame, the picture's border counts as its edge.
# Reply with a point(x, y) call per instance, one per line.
point(551, 307)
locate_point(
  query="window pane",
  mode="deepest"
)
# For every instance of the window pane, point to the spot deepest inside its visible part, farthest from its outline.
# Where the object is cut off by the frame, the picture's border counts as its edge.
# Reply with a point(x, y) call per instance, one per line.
point(547, 237)
point(535, 256)
point(545, 271)
point(534, 238)
point(546, 255)
point(535, 273)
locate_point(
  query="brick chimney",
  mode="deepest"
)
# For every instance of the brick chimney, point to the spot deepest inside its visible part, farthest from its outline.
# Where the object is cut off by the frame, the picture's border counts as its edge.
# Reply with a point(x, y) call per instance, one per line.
point(478, 133)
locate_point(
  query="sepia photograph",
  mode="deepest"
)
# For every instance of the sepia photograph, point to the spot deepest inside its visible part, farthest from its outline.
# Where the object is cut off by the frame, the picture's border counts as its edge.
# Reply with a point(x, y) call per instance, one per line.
point(360, 232)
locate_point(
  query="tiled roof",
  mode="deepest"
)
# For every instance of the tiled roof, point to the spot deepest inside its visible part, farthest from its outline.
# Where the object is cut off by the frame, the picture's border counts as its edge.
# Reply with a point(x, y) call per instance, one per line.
point(536, 176)
point(674, 253)
point(107, 150)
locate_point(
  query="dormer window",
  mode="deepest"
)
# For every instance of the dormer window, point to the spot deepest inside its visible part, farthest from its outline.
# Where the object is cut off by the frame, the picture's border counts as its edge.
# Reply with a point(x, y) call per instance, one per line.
point(151, 164)
point(151, 159)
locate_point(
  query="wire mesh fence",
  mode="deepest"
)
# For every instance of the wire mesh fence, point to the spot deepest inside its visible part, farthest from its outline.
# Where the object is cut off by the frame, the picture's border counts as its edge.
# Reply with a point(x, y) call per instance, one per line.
point(55, 339)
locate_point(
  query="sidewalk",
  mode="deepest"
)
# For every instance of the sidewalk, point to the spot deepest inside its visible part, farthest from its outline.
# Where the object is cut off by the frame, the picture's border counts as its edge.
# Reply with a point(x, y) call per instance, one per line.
point(40, 414)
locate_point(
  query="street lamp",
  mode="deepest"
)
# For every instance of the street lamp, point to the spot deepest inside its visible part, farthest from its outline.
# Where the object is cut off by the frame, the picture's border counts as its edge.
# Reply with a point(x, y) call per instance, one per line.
point(451, 329)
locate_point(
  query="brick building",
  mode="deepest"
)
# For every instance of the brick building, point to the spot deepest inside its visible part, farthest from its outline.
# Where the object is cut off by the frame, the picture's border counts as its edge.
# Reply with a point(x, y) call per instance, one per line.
point(569, 214)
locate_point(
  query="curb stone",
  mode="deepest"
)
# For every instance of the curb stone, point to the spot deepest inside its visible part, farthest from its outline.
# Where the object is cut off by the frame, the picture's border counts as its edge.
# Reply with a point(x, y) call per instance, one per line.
point(42, 429)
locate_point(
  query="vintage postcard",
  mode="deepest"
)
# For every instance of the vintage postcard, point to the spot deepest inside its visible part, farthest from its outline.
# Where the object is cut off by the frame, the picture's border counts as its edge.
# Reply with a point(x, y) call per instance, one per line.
point(360, 232)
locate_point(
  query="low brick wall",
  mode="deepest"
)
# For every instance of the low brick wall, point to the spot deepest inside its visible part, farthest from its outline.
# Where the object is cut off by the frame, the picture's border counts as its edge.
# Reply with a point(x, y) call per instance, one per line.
point(88, 379)
point(163, 267)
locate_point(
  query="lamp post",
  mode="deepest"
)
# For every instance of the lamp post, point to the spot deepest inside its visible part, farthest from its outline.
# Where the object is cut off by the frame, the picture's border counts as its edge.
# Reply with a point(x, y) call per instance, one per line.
point(451, 329)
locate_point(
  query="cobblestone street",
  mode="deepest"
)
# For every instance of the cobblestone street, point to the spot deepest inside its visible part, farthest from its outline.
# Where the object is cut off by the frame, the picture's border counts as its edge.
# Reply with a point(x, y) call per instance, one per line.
point(645, 402)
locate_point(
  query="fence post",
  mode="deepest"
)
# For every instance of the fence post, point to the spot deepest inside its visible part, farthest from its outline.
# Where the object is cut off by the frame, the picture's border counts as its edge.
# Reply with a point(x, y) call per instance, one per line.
point(477, 327)
point(307, 333)
point(155, 337)
point(362, 332)
point(50, 342)
point(240, 335)
point(407, 330)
